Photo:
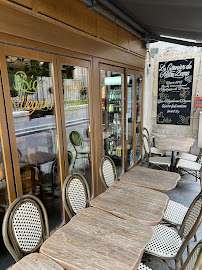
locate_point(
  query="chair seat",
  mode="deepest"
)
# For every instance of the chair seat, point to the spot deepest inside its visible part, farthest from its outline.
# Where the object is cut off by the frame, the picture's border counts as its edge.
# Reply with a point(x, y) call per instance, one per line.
point(160, 160)
point(156, 151)
point(187, 156)
point(143, 267)
point(165, 242)
point(189, 165)
point(83, 151)
point(175, 213)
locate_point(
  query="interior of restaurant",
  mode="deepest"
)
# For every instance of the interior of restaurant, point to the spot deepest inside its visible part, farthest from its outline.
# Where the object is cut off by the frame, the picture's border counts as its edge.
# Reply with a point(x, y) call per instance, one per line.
point(75, 133)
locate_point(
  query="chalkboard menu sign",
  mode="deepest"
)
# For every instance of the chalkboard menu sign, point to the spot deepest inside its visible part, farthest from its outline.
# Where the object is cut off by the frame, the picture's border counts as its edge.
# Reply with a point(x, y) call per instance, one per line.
point(175, 79)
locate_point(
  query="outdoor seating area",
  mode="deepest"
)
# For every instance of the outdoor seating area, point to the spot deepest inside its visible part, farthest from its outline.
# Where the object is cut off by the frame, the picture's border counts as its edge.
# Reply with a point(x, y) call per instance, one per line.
point(132, 220)
point(100, 135)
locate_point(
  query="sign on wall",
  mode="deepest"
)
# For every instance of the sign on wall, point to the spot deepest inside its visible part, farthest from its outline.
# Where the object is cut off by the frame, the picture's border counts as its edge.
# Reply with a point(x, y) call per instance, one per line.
point(175, 79)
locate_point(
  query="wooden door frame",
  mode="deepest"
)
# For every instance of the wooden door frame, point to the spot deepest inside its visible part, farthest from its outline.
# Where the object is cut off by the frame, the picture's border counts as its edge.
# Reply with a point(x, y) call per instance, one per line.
point(5, 145)
point(63, 60)
point(36, 55)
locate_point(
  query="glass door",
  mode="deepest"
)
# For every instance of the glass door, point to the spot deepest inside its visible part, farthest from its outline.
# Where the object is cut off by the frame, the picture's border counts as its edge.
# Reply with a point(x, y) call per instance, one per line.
point(138, 116)
point(74, 82)
point(32, 95)
point(112, 114)
point(130, 115)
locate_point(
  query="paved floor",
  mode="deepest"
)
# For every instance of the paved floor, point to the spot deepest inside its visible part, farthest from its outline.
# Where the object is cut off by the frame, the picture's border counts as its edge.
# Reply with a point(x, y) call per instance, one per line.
point(184, 193)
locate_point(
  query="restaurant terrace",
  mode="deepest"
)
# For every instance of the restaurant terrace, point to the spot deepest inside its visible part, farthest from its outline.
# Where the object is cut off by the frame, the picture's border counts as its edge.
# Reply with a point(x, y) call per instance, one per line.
point(100, 135)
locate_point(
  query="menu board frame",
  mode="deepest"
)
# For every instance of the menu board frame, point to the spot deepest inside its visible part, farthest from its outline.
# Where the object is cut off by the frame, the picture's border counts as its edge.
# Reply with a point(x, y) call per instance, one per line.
point(175, 82)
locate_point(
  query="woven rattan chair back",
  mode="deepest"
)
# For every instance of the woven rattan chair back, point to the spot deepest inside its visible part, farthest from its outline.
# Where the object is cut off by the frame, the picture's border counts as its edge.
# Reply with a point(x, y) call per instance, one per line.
point(107, 171)
point(146, 132)
point(75, 138)
point(191, 223)
point(199, 157)
point(194, 260)
point(25, 226)
point(146, 147)
point(75, 194)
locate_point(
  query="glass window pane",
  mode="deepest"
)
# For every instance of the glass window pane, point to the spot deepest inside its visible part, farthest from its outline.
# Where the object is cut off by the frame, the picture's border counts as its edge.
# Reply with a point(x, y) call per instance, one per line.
point(129, 119)
point(5, 258)
point(138, 115)
point(111, 87)
point(76, 108)
point(32, 97)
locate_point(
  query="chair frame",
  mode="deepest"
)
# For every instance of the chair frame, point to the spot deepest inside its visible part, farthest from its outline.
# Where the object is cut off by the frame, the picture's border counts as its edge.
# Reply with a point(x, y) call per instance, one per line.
point(197, 174)
point(86, 155)
point(148, 154)
point(7, 228)
point(101, 170)
point(178, 258)
point(65, 198)
point(198, 263)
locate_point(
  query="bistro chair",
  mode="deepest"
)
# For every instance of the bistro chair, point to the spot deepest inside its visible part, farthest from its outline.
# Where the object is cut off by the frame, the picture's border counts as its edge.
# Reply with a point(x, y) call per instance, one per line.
point(191, 167)
point(107, 171)
point(167, 244)
point(154, 161)
point(75, 194)
point(190, 157)
point(25, 226)
point(153, 149)
point(77, 142)
point(194, 260)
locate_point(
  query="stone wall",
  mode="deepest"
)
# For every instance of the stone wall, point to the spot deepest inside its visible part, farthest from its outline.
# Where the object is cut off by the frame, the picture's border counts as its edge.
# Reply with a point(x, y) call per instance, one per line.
point(168, 52)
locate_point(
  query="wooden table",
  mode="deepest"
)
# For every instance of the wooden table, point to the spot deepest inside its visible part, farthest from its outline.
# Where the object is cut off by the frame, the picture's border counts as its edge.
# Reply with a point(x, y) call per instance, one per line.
point(36, 261)
point(130, 202)
point(150, 178)
point(96, 240)
point(175, 144)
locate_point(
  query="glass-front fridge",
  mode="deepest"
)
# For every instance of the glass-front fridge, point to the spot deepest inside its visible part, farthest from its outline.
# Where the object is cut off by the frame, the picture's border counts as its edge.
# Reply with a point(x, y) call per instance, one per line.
point(112, 98)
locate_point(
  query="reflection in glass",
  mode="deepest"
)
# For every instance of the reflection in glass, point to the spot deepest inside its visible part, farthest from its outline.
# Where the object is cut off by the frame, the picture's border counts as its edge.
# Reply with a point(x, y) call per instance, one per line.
point(5, 258)
point(111, 87)
point(75, 89)
point(129, 119)
point(33, 106)
point(138, 115)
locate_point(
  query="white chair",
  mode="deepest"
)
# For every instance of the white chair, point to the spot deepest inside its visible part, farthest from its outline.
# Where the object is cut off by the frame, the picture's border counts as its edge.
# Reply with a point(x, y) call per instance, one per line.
point(190, 157)
point(107, 171)
point(153, 150)
point(75, 194)
point(157, 160)
point(167, 244)
point(191, 167)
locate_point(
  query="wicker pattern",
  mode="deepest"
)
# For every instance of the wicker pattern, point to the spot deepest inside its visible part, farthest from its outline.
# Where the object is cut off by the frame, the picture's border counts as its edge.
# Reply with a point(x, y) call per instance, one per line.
point(189, 165)
point(76, 194)
point(27, 226)
point(175, 213)
point(165, 242)
point(187, 156)
point(192, 217)
point(108, 173)
point(146, 144)
point(160, 160)
point(193, 258)
point(143, 267)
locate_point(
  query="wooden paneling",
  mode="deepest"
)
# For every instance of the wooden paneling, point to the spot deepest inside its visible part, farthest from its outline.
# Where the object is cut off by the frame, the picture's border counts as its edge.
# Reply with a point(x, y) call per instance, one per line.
point(41, 28)
point(25, 3)
point(72, 12)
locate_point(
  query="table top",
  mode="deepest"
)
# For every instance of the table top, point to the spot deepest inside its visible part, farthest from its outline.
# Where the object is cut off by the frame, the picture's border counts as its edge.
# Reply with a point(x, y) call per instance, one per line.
point(174, 143)
point(36, 261)
point(150, 178)
point(96, 240)
point(39, 158)
point(130, 202)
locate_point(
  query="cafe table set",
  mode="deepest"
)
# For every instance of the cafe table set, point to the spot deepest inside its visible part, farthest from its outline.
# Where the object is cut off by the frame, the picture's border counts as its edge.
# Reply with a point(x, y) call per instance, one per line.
point(113, 232)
